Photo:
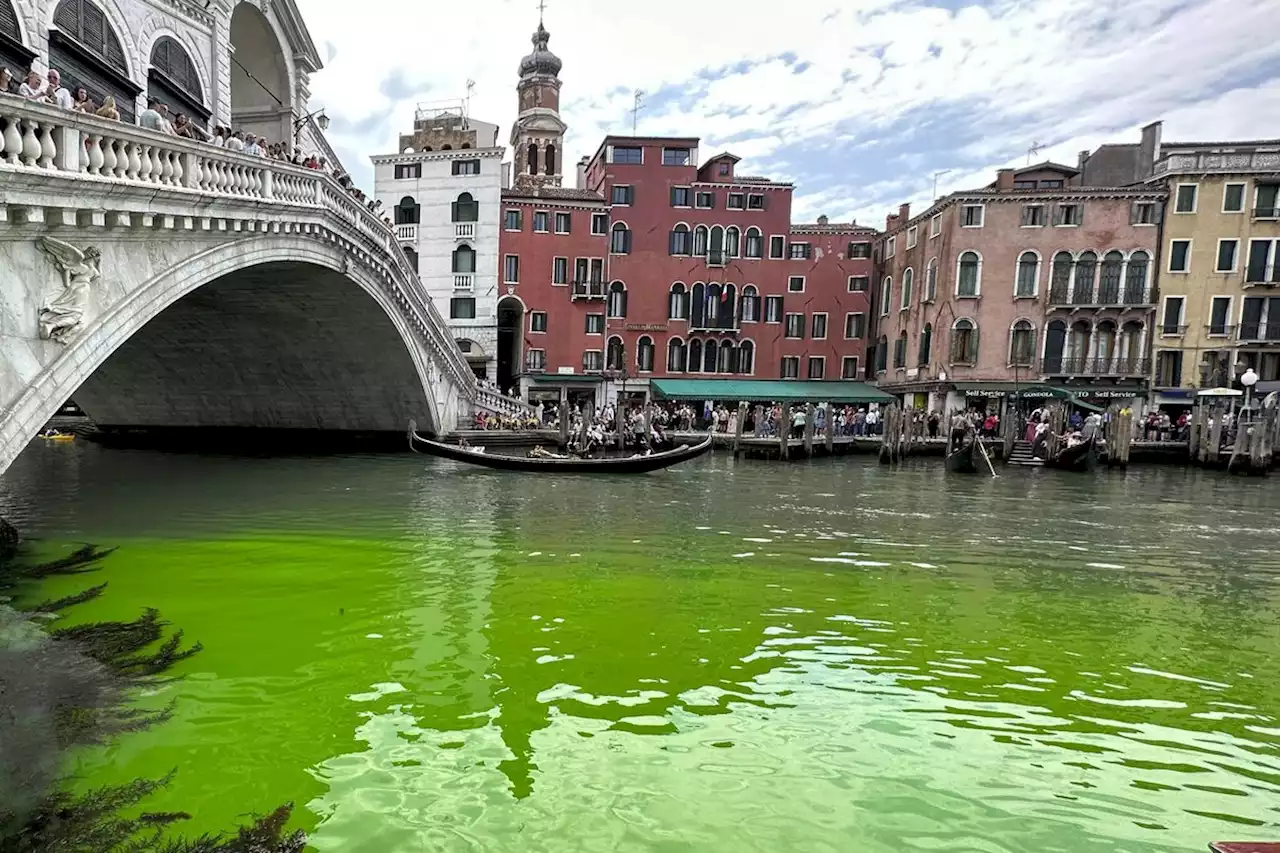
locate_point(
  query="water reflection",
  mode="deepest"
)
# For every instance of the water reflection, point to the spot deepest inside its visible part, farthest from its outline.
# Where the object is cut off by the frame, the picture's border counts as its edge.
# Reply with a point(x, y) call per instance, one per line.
point(825, 656)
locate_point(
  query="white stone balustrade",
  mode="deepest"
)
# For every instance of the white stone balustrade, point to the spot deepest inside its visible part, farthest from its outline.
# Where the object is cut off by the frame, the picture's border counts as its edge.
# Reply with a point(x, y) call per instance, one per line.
point(42, 139)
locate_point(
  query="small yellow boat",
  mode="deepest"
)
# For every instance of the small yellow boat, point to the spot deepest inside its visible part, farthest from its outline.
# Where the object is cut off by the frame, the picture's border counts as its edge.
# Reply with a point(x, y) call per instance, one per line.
point(58, 436)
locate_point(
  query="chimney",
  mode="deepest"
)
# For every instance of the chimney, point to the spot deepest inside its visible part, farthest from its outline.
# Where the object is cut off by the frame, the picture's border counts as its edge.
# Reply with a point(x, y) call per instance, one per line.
point(891, 221)
point(822, 220)
point(1149, 150)
point(1082, 160)
point(1004, 180)
point(582, 173)
point(904, 212)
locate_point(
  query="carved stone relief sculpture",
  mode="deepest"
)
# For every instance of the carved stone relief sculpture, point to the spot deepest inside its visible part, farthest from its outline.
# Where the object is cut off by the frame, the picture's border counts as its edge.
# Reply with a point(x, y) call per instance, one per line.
point(63, 312)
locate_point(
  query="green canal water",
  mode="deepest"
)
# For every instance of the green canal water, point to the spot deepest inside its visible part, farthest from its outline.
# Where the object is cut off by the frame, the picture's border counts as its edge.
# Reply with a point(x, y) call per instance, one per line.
point(830, 656)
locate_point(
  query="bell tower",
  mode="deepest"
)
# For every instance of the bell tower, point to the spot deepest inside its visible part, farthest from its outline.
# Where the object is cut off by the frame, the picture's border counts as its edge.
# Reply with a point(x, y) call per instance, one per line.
point(537, 137)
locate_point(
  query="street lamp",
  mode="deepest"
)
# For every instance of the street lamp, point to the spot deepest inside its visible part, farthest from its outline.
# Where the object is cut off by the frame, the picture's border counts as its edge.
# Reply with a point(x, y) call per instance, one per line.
point(321, 120)
point(1248, 379)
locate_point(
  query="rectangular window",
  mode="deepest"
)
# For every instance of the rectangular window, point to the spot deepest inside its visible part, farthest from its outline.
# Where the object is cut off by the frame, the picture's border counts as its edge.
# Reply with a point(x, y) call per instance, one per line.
point(755, 201)
point(535, 360)
point(849, 367)
point(1051, 185)
point(790, 367)
point(620, 241)
point(913, 236)
point(795, 284)
point(1219, 316)
point(408, 171)
point(935, 225)
point(1179, 256)
point(595, 324)
point(1185, 199)
point(773, 309)
point(564, 221)
point(466, 167)
point(855, 326)
point(735, 201)
point(1024, 185)
point(593, 361)
point(1172, 322)
point(818, 327)
point(462, 308)
point(599, 224)
point(675, 156)
point(777, 247)
point(1033, 216)
point(859, 250)
point(597, 272)
point(1264, 263)
point(580, 272)
point(559, 270)
point(1227, 251)
point(511, 220)
point(1168, 368)
point(1143, 213)
point(540, 221)
point(795, 326)
point(511, 269)
point(632, 155)
point(971, 215)
point(1068, 215)
point(679, 196)
point(800, 251)
point(817, 367)
point(622, 194)
point(704, 201)
point(1266, 201)
point(859, 283)
point(1233, 198)
point(890, 247)
point(537, 321)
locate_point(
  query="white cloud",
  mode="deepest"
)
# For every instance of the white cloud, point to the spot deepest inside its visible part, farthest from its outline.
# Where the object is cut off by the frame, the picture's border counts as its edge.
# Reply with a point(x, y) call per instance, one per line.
point(893, 91)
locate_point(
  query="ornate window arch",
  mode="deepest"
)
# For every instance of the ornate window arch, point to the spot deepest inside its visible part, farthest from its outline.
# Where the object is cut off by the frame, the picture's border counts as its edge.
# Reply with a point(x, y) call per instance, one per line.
point(969, 274)
point(1022, 343)
point(620, 239)
point(931, 281)
point(1137, 270)
point(749, 305)
point(747, 357)
point(466, 208)
point(732, 241)
point(964, 341)
point(695, 356)
point(1026, 282)
point(925, 351)
point(615, 354)
point(753, 243)
point(617, 304)
point(678, 304)
point(701, 240)
point(680, 242)
point(677, 356)
point(644, 354)
point(464, 259)
point(908, 280)
point(173, 78)
point(548, 160)
point(407, 211)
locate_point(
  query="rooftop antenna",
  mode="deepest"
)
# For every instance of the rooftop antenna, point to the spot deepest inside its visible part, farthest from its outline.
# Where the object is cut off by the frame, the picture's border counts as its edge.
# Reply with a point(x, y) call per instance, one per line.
point(937, 175)
point(635, 109)
point(1032, 151)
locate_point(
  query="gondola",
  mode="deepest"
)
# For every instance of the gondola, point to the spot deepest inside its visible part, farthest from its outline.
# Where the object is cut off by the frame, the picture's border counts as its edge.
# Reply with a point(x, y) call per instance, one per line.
point(567, 465)
point(1082, 457)
point(965, 459)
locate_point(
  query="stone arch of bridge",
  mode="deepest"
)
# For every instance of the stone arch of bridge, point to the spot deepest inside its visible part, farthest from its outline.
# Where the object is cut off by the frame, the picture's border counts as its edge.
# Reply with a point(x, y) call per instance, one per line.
point(141, 314)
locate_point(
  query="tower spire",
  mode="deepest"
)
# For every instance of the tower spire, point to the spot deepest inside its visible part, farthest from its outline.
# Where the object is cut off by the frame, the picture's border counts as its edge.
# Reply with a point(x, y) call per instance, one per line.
point(542, 7)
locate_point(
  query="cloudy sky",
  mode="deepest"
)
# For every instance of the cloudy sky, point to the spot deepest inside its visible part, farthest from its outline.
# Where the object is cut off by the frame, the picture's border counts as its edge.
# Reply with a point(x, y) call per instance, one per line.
point(858, 102)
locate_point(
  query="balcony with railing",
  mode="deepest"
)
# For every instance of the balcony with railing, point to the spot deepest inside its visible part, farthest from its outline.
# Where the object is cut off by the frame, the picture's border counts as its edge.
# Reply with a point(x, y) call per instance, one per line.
point(1266, 213)
point(1202, 162)
point(1106, 295)
point(1110, 367)
point(463, 282)
point(1219, 330)
point(1267, 333)
point(464, 230)
point(592, 289)
point(408, 232)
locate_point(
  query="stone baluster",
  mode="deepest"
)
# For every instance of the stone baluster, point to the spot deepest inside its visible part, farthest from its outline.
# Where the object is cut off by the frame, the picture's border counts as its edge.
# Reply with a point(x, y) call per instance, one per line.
point(96, 159)
point(134, 167)
point(110, 162)
point(12, 141)
point(268, 189)
point(48, 150)
point(175, 169)
point(157, 165)
point(189, 176)
point(31, 149)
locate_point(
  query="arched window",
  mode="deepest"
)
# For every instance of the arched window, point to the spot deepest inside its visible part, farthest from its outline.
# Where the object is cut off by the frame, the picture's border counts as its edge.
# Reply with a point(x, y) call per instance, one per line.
point(754, 247)
point(1112, 270)
point(900, 350)
point(549, 161)
point(466, 209)
point(1028, 279)
point(698, 307)
point(411, 256)
point(700, 240)
point(746, 357)
point(676, 355)
point(882, 354)
point(726, 358)
point(1055, 337)
point(644, 354)
point(533, 158)
point(1104, 347)
point(969, 274)
point(732, 239)
point(964, 342)
point(407, 211)
point(620, 239)
point(88, 25)
point(931, 281)
point(695, 356)
point(173, 79)
point(1022, 343)
point(1133, 344)
point(615, 355)
point(750, 310)
point(1078, 340)
point(1060, 279)
point(464, 259)
point(908, 279)
point(727, 314)
point(711, 314)
point(679, 240)
point(1086, 272)
point(886, 295)
point(1135, 280)
point(678, 307)
point(709, 355)
point(446, 147)
point(617, 300)
point(715, 249)
point(465, 145)
point(926, 345)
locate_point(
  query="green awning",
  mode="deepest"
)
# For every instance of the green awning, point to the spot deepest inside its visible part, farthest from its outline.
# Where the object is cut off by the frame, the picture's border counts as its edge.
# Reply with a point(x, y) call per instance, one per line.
point(1088, 407)
point(768, 391)
point(565, 379)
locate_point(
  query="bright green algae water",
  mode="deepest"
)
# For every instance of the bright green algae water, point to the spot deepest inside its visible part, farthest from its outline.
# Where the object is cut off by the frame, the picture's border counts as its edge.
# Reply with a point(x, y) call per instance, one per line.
point(723, 657)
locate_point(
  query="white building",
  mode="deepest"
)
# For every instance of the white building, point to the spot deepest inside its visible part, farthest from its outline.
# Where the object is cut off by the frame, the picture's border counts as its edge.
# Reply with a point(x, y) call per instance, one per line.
point(443, 191)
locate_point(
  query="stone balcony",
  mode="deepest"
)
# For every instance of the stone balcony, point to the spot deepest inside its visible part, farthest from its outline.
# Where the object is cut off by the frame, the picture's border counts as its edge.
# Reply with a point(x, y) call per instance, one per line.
point(1221, 161)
